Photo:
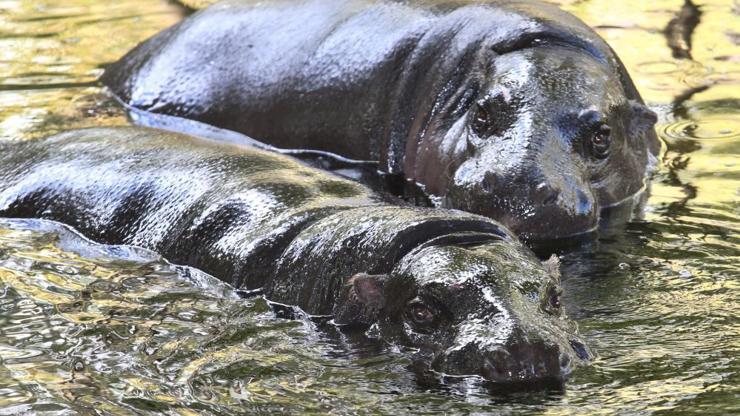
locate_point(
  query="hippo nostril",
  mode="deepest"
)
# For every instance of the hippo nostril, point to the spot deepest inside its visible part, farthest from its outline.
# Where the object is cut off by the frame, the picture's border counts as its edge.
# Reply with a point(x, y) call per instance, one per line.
point(489, 371)
point(584, 205)
point(494, 367)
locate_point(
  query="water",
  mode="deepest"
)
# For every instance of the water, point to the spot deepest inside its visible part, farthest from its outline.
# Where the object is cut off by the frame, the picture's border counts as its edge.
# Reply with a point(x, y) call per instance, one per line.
point(87, 328)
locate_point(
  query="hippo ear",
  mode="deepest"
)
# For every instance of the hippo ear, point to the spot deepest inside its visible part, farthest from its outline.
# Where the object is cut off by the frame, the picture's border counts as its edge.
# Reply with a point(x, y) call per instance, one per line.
point(552, 265)
point(361, 300)
point(642, 119)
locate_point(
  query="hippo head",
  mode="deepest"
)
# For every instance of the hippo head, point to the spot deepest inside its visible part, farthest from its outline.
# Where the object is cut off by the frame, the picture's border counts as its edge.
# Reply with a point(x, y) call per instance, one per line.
point(470, 308)
point(545, 140)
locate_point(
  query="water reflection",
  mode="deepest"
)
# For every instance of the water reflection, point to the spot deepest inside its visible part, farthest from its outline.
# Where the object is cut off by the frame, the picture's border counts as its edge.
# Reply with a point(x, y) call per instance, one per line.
point(51, 55)
point(85, 330)
point(680, 30)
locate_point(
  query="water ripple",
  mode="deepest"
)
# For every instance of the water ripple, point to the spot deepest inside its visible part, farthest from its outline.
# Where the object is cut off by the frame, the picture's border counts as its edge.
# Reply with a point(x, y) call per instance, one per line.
point(705, 129)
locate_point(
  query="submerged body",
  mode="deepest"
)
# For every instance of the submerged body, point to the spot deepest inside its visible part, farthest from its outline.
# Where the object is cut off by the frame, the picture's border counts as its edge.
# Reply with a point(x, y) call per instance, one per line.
point(457, 286)
point(511, 109)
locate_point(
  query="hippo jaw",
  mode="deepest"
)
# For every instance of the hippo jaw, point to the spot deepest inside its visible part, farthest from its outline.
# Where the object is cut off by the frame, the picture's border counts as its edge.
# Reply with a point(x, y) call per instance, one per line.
point(547, 140)
point(486, 311)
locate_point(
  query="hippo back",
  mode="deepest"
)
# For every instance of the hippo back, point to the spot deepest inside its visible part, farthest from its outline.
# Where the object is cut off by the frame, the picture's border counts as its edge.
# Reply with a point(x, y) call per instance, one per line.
point(242, 214)
point(219, 207)
point(359, 78)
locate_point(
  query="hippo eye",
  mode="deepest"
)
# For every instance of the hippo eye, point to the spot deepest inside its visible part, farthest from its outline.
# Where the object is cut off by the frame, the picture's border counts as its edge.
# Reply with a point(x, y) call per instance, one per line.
point(495, 114)
point(600, 141)
point(481, 120)
point(420, 313)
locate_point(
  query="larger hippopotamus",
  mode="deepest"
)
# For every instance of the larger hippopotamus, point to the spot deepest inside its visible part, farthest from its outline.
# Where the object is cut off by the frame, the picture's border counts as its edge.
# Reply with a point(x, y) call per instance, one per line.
point(457, 286)
point(511, 109)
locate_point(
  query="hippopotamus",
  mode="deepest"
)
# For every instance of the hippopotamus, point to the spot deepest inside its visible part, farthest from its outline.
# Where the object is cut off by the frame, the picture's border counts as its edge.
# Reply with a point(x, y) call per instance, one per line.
point(515, 110)
point(456, 286)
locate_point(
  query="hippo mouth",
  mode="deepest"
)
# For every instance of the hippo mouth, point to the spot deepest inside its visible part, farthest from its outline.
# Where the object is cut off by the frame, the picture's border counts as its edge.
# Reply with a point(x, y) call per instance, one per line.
point(533, 232)
point(530, 366)
point(536, 221)
point(611, 217)
point(534, 366)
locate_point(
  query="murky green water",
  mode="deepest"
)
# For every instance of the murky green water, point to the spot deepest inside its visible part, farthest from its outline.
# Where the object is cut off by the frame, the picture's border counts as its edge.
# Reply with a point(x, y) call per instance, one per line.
point(87, 328)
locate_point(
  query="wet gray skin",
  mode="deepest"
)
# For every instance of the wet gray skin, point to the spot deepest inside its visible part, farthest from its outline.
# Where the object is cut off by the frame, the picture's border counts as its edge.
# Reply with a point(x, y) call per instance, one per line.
point(514, 110)
point(540, 162)
point(454, 287)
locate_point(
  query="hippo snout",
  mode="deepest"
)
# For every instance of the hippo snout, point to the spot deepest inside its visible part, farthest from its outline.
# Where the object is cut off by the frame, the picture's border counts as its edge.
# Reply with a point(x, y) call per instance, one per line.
point(560, 210)
point(572, 198)
point(524, 363)
point(534, 210)
point(521, 360)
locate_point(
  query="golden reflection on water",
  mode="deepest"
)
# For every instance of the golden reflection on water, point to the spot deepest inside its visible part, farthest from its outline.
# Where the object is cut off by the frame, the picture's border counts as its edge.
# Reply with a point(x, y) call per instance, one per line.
point(665, 326)
point(711, 117)
point(51, 54)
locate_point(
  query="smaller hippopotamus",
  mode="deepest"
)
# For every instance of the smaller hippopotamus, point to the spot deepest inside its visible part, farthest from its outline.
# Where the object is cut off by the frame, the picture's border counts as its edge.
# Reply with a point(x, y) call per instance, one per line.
point(456, 286)
point(514, 110)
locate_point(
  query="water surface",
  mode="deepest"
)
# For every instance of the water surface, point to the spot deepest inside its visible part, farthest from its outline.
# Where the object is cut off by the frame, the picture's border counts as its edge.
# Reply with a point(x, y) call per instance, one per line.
point(86, 328)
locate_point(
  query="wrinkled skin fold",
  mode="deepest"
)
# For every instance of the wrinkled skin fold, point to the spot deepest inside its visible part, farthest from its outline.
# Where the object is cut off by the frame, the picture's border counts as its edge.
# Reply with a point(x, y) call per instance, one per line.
point(514, 110)
point(456, 287)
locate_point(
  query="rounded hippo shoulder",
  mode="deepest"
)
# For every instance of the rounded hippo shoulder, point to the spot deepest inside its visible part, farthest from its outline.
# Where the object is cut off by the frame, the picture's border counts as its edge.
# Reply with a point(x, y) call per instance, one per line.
point(372, 239)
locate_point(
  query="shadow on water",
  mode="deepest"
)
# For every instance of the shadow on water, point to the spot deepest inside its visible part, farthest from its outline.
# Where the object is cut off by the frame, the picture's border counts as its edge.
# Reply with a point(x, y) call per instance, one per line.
point(679, 33)
point(681, 28)
point(185, 7)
